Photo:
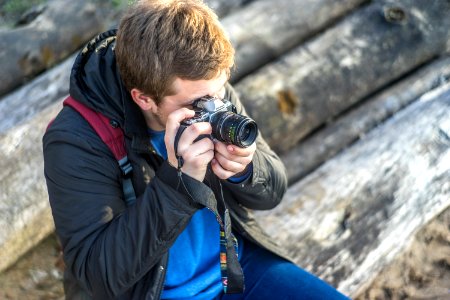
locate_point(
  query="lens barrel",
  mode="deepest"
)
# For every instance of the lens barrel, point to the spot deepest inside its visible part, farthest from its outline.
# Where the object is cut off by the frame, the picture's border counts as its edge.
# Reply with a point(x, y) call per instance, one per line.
point(235, 129)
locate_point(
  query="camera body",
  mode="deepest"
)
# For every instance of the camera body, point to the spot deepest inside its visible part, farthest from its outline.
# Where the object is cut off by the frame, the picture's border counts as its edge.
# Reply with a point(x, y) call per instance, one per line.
point(227, 125)
point(206, 109)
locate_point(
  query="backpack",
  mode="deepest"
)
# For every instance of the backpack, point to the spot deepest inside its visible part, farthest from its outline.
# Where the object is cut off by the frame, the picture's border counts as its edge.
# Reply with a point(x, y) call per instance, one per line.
point(112, 135)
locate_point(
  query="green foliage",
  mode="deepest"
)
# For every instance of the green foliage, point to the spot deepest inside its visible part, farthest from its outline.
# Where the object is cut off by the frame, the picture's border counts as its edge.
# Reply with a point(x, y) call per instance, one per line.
point(18, 7)
point(122, 3)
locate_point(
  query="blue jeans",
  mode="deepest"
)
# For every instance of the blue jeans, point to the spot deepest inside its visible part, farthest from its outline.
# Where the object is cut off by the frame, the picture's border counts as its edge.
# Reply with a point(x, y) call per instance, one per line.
point(268, 276)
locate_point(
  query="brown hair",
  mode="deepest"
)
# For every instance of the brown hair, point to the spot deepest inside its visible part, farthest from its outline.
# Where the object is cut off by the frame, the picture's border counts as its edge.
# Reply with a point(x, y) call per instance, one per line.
point(159, 40)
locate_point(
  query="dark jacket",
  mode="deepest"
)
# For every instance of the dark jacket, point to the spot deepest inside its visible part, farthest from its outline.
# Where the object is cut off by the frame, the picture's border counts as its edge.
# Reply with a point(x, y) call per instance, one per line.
point(111, 250)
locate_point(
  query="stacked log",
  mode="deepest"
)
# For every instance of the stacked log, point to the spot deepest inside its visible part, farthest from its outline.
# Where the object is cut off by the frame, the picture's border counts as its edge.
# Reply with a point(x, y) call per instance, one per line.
point(350, 217)
point(422, 271)
point(264, 30)
point(244, 36)
point(38, 94)
point(223, 8)
point(326, 76)
point(25, 216)
point(58, 31)
point(349, 127)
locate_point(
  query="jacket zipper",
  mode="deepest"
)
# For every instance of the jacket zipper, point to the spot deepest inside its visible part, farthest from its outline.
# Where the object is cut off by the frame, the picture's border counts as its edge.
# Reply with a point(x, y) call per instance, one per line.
point(162, 278)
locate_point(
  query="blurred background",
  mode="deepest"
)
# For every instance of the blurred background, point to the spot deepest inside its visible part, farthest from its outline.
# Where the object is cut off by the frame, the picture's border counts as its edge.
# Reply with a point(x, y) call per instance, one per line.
point(354, 95)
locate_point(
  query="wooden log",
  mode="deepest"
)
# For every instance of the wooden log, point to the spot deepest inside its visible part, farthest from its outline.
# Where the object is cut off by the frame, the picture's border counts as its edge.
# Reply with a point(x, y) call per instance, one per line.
point(49, 87)
point(266, 29)
point(52, 85)
point(32, 98)
point(327, 142)
point(350, 217)
point(61, 28)
point(226, 7)
point(421, 272)
point(58, 31)
point(319, 80)
point(25, 217)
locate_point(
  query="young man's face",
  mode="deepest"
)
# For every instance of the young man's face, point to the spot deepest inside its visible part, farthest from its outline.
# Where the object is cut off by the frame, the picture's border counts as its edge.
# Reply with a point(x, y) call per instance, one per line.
point(186, 91)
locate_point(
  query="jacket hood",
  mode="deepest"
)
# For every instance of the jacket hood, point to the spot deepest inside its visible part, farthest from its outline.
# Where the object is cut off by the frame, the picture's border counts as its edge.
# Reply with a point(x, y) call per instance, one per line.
point(95, 81)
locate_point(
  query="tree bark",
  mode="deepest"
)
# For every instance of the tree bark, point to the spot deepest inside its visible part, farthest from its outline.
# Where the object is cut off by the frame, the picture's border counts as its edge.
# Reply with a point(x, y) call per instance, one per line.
point(25, 217)
point(265, 29)
point(226, 7)
point(348, 128)
point(317, 81)
point(62, 28)
point(421, 272)
point(34, 97)
point(350, 217)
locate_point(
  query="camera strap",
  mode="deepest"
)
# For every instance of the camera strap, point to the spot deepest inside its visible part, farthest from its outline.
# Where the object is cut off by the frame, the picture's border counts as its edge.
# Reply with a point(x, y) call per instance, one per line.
point(230, 268)
point(232, 275)
point(180, 160)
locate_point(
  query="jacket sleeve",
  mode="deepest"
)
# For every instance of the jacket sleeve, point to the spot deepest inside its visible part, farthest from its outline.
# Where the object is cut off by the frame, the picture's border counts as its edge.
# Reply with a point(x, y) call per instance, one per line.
point(108, 247)
point(265, 188)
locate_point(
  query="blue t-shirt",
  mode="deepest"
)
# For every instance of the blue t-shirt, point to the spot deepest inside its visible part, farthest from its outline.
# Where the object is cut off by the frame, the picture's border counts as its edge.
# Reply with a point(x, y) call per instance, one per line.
point(193, 271)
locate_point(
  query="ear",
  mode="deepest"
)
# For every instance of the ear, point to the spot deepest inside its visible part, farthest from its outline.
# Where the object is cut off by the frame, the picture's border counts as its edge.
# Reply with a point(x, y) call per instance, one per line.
point(144, 101)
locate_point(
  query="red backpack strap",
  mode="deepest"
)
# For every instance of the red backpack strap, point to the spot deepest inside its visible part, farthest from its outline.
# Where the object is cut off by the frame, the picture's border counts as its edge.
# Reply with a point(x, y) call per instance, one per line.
point(112, 135)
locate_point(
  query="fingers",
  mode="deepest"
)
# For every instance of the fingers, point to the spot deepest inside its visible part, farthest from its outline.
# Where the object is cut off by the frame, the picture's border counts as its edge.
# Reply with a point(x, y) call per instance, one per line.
point(232, 152)
point(191, 133)
point(220, 171)
point(227, 160)
point(230, 160)
point(196, 154)
point(173, 123)
point(228, 165)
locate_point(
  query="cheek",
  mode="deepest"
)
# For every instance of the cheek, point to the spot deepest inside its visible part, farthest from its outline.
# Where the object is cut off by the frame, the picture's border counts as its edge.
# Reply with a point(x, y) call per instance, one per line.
point(165, 111)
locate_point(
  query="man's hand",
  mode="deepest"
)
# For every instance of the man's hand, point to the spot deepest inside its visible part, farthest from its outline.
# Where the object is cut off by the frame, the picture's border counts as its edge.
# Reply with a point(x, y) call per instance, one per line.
point(230, 160)
point(196, 155)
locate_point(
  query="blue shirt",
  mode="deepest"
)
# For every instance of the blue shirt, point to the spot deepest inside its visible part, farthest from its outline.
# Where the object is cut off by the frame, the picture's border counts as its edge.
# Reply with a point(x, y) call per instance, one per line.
point(193, 271)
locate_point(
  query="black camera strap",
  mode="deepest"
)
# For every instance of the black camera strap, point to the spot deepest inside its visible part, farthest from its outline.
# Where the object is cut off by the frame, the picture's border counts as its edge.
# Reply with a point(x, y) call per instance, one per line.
point(232, 275)
point(230, 268)
point(180, 160)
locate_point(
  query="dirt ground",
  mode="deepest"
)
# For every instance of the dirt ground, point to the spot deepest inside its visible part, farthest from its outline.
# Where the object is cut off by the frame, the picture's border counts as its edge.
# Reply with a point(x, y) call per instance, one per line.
point(35, 276)
point(422, 272)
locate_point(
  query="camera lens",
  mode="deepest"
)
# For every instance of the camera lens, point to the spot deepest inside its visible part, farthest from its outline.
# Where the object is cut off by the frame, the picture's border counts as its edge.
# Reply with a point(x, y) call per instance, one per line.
point(246, 133)
point(234, 129)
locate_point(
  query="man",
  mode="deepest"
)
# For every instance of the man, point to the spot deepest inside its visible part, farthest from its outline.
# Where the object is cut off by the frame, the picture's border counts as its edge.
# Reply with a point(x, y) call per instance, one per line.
point(144, 78)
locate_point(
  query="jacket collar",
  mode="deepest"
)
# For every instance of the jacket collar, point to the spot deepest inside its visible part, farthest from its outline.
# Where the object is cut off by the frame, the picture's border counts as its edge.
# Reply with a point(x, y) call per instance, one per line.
point(95, 81)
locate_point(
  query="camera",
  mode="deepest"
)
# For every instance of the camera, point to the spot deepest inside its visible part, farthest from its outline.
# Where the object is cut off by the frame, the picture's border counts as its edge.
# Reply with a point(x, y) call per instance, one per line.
point(227, 125)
